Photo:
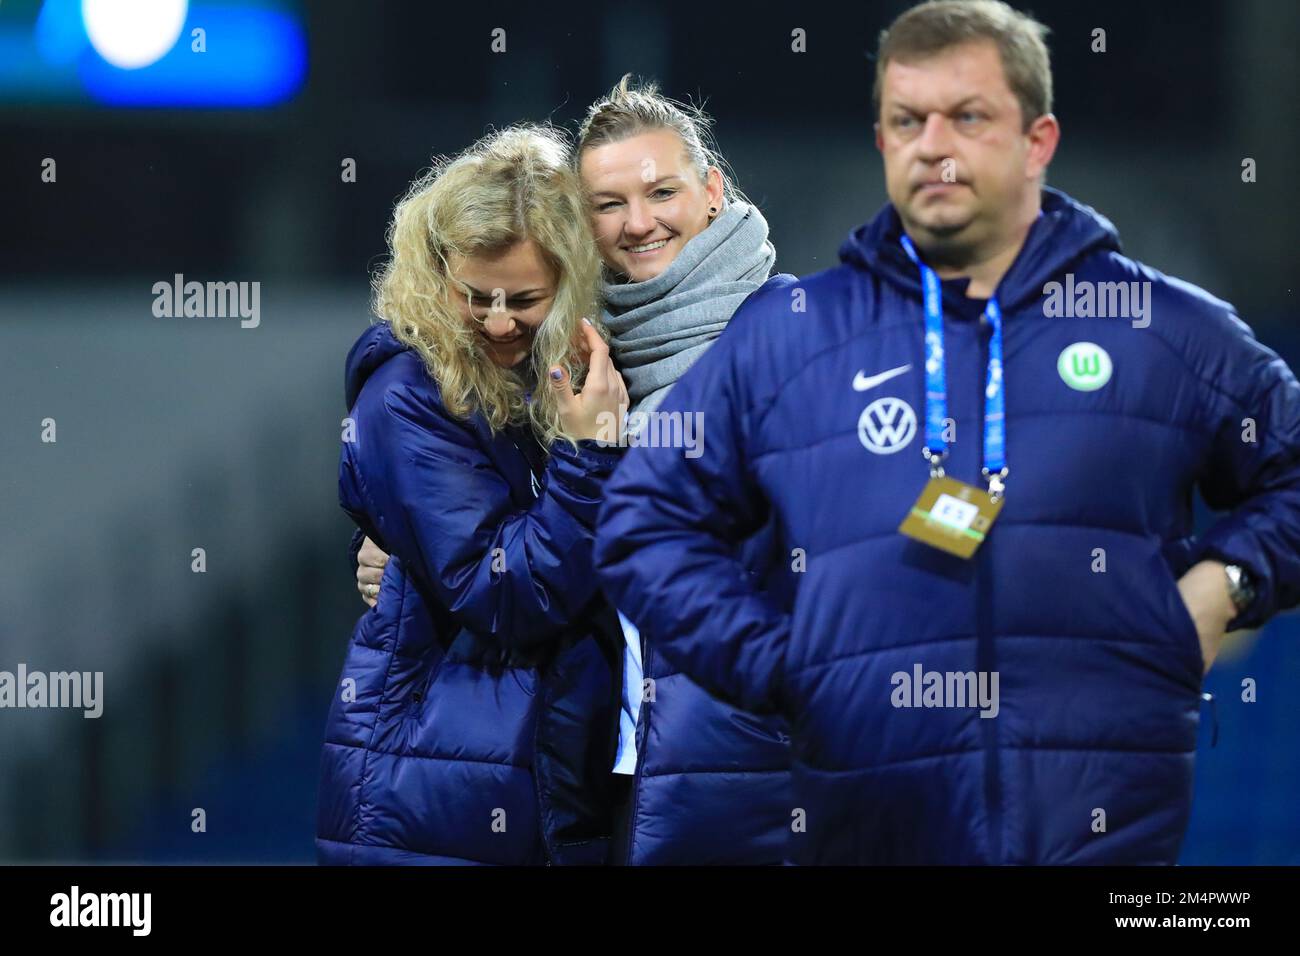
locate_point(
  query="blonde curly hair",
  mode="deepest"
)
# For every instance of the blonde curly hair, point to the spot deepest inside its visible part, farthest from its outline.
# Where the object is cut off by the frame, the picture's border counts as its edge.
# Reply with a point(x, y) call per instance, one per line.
point(510, 186)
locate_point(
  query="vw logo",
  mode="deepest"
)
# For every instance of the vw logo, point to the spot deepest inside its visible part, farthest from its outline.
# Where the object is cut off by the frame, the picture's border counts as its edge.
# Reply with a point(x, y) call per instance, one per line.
point(887, 425)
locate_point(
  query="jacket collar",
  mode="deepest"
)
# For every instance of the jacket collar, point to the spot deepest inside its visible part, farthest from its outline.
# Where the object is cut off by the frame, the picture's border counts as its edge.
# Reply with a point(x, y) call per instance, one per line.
point(1064, 233)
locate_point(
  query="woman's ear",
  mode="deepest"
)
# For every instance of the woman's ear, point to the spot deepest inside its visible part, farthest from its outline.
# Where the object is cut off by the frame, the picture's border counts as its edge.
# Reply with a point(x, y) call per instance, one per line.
point(714, 190)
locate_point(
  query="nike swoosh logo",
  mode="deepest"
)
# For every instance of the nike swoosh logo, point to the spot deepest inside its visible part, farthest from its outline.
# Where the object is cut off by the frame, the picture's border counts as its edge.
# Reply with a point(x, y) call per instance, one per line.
point(862, 382)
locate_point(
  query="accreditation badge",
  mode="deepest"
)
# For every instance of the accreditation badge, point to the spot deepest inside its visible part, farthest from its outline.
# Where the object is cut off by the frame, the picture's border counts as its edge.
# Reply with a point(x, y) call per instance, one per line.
point(952, 516)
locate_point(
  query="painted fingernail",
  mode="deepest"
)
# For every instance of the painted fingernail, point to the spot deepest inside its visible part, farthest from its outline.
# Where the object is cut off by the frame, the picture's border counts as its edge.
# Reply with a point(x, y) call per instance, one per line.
point(556, 374)
point(587, 320)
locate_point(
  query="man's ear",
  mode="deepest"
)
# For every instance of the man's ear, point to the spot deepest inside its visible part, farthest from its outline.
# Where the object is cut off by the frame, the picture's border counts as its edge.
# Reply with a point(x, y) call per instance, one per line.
point(1044, 134)
point(880, 143)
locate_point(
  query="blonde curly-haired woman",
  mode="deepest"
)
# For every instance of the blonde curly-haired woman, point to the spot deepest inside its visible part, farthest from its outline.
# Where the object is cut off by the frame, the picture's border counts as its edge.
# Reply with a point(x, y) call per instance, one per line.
point(476, 717)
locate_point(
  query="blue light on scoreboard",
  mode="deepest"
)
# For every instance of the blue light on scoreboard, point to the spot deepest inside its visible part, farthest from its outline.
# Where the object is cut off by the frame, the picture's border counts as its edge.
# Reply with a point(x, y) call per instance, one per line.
point(153, 53)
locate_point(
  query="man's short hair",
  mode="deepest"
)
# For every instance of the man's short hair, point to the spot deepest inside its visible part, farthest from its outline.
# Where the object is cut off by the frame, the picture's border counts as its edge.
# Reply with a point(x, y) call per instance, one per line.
point(930, 28)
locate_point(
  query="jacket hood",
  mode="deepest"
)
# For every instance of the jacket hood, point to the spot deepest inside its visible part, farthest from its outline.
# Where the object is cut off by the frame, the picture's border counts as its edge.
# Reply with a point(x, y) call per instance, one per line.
point(1064, 232)
point(375, 346)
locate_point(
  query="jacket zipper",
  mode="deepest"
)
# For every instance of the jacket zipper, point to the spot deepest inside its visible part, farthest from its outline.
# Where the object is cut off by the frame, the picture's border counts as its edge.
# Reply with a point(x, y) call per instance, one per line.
point(540, 702)
point(639, 737)
point(986, 653)
point(986, 663)
point(542, 687)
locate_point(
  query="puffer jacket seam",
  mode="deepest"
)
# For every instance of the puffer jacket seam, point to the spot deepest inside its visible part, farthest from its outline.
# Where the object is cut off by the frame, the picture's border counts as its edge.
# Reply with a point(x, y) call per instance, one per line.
point(1091, 748)
point(457, 759)
point(734, 772)
point(1052, 413)
point(762, 407)
point(967, 637)
point(1110, 413)
point(893, 533)
point(856, 272)
point(352, 848)
point(945, 754)
point(1207, 383)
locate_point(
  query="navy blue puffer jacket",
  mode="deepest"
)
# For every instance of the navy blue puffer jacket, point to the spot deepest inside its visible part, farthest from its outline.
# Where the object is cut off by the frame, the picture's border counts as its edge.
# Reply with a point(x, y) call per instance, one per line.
point(712, 782)
point(476, 717)
point(816, 419)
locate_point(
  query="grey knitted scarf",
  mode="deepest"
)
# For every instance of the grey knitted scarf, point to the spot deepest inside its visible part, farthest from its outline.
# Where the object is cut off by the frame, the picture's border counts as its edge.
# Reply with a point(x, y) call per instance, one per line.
point(661, 326)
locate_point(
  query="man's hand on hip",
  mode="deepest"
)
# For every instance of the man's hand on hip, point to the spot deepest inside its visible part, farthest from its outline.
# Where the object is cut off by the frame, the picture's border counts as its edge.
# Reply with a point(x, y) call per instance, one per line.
point(1205, 592)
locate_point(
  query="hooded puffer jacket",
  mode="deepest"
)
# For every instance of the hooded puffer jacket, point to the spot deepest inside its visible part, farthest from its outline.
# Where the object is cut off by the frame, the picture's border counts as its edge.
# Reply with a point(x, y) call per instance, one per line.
point(476, 717)
point(1085, 752)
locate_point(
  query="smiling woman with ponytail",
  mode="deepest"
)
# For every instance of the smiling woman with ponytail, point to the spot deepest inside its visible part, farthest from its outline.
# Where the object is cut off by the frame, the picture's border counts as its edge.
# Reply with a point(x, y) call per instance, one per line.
point(698, 780)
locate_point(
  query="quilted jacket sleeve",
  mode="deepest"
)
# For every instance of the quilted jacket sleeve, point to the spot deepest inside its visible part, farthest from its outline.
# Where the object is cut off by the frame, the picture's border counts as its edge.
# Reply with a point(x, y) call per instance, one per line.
point(1253, 471)
point(421, 482)
point(671, 529)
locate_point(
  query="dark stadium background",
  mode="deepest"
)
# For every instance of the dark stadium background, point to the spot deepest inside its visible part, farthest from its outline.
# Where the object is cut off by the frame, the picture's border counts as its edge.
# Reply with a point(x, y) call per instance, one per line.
point(182, 433)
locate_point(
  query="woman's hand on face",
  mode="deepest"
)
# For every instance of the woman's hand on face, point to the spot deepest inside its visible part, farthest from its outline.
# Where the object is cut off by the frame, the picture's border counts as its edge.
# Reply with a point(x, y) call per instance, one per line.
point(597, 411)
point(370, 568)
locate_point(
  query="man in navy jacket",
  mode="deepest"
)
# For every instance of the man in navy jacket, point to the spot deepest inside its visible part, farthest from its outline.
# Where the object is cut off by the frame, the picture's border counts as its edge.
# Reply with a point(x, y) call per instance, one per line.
point(1037, 701)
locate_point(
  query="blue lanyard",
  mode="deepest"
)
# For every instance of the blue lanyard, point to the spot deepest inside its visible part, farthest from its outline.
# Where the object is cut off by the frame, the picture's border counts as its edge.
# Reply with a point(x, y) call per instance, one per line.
point(936, 387)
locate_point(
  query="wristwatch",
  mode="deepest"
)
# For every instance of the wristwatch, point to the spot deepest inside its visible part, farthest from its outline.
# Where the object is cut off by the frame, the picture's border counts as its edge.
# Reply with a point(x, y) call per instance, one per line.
point(1240, 587)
